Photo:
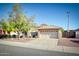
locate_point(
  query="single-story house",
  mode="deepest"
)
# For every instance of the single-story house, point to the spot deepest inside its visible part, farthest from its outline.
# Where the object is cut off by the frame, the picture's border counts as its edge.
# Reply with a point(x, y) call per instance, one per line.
point(43, 31)
point(77, 33)
point(1, 31)
point(52, 31)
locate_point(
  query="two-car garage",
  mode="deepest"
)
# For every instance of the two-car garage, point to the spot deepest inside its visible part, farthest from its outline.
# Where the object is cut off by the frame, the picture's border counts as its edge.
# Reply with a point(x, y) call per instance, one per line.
point(49, 32)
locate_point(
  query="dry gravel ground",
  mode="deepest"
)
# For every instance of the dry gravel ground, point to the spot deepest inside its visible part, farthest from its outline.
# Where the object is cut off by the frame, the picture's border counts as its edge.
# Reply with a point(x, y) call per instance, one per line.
point(68, 42)
point(23, 40)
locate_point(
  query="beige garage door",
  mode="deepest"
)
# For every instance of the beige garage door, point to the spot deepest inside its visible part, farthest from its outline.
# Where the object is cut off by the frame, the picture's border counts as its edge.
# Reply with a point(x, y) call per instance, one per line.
point(54, 35)
point(49, 34)
point(44, 35)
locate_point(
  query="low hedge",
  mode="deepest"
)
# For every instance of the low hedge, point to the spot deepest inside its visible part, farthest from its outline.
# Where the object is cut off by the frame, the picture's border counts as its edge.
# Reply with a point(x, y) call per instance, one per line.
point(13, 36)
point(3, 36)
point(7, 36)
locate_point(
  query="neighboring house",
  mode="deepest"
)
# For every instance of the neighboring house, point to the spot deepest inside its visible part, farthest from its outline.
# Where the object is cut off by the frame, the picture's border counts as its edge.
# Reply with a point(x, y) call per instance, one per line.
point(13, 33)
point(33, 32)
point(45, 31)
point(77, 33)
point(1, 31)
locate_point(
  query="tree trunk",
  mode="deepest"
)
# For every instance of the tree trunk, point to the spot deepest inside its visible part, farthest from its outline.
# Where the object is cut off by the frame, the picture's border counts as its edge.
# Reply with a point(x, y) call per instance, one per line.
point(25, 34)
point(18, 35)
point(8, 35)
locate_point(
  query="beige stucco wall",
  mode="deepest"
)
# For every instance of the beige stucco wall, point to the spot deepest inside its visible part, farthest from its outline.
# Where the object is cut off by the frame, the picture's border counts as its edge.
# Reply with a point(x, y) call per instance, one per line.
point(59, 34)
point(39, 35)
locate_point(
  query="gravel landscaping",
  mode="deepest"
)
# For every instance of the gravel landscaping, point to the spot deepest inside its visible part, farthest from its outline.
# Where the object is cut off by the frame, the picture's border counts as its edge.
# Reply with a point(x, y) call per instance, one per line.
point(68, 42)
point(23, 40)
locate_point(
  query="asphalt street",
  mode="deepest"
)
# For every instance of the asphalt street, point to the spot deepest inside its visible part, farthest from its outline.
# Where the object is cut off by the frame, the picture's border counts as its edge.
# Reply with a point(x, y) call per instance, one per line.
point(6, 50)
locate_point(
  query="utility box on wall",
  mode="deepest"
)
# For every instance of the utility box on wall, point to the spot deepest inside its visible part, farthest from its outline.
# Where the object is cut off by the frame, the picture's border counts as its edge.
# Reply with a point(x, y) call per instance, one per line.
point(77, 34)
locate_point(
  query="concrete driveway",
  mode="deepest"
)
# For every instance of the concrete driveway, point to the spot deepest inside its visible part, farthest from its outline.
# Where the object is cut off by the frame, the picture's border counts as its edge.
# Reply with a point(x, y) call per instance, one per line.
point(39, 43)
point(47, 44)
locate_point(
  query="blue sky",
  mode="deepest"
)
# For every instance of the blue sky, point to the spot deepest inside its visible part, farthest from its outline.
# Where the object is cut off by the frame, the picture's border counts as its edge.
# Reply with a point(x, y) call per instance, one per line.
point(47, 13)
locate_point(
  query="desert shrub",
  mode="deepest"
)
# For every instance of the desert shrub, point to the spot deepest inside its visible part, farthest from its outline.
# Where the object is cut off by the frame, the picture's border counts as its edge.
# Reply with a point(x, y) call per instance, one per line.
point(13, 36)
point(3, 36)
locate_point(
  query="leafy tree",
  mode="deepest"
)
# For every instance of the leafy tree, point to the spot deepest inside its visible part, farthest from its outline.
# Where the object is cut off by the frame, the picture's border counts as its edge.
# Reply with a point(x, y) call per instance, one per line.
point(21, 21)
point(31, 23)
point(18, 21)
point(4, 24)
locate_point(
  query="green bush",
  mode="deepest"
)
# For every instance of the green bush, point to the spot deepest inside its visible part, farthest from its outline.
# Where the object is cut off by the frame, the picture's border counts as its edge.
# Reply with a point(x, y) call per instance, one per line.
point(13, 36)
point(5, 36)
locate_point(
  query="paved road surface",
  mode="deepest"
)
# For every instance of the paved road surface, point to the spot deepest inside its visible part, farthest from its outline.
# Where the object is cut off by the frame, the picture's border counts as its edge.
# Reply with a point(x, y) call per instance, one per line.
point(6, 50)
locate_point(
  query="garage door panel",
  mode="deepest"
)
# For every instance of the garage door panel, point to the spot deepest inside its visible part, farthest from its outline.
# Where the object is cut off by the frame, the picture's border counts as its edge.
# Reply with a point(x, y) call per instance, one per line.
point(54, 35)
point(49, 34)
point(44, 35)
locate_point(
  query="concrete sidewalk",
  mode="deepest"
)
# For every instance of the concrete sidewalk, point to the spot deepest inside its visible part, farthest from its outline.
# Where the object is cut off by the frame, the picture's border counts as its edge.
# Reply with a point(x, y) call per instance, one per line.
point(45, 44)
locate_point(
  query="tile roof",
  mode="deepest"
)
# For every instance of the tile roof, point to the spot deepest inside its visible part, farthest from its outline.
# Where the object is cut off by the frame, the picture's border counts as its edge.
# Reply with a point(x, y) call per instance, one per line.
point(49, 27)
